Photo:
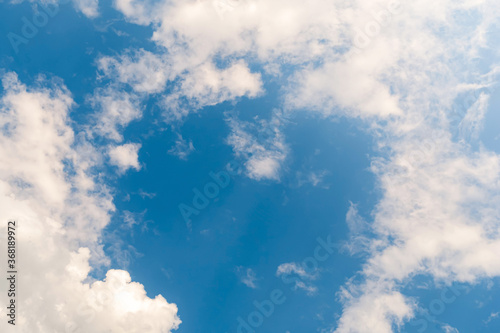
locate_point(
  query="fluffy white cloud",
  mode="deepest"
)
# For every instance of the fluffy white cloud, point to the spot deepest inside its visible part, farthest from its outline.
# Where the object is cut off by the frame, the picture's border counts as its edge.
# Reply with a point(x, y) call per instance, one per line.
point(89, 8)
point(47, 186)
point(139, 12)
point(207, 85)
point(125, 156)
point(374, 308)
point(114, 110)
point(144, 71)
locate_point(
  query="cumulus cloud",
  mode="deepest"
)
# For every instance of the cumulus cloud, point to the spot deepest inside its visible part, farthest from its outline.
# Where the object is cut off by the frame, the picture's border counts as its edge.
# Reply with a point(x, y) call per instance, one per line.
point(89, 8)
point(437, 215)
point(449, 329)
point(125, 156)
point(144, 71)
point(47, 186)
point(114, 110)
point(374, 308)
point(207, 85)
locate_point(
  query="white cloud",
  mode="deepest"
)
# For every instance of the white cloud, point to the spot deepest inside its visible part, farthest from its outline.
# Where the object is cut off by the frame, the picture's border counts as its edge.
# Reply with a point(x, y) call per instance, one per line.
point(125, 156)
point(287, 269)
point(47, 186)
point(131, 219)
point(438, 214)
point(309, 289)
point(114, 110)
point(471, 124)
point(315, 178)
point(261, 144)
point(144, 71)
point(438, 202)
point(358, 93)
point(139, 12)
point(89, 8)
point(438, 206)
point(292, 267)
point(144, 194)
point(182, 148)
point(493, 316)
point(359, 237)
point(247, 277)
point(449, 329)
point(375, 308)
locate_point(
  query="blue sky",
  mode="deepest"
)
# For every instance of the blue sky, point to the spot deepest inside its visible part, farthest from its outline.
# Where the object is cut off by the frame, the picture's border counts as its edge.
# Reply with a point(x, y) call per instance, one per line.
point(371, 126)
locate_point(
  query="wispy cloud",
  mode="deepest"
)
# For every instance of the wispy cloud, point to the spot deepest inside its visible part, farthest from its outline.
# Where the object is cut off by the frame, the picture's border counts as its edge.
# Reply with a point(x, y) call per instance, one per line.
point(261, 144)
point(449, 329)
point(493, 316)
point(182, 148)
point(247, 277)
point(295, 269)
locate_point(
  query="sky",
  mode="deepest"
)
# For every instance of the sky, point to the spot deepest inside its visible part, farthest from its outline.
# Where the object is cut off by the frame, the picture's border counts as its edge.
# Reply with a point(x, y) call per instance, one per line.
point(251, 166)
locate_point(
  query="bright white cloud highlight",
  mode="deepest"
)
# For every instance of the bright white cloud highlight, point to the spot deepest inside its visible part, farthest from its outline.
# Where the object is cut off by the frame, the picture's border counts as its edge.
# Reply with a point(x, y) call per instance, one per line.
point(125, 156)
point(89, 8)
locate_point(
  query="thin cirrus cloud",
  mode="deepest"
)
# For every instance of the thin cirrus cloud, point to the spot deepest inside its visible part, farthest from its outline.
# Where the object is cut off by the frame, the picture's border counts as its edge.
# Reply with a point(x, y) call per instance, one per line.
point(182, 148)
point(261, 144)
point(247, 276)
point(286, 270)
